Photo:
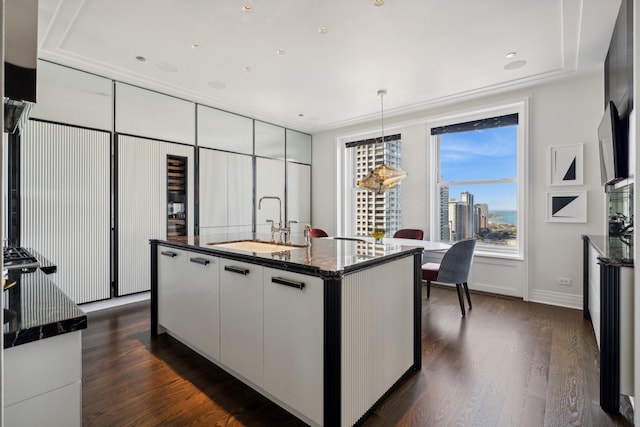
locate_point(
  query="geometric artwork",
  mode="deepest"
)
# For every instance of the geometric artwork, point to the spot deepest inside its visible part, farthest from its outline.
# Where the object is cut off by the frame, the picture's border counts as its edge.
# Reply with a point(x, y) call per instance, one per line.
point(567, 206)
point(566, 165)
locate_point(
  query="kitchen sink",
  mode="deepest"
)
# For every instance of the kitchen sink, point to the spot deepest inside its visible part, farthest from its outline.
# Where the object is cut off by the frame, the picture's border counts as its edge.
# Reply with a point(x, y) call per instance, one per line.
point(257, 246)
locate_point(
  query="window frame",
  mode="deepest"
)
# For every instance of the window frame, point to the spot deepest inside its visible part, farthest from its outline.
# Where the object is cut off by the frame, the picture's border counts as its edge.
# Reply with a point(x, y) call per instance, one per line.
point(347, 222)
point(521, 108)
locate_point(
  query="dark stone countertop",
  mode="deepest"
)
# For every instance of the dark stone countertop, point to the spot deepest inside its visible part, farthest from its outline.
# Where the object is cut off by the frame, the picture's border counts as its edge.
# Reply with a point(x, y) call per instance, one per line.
point(326, 257)
point(617, 251)
point(41, 309)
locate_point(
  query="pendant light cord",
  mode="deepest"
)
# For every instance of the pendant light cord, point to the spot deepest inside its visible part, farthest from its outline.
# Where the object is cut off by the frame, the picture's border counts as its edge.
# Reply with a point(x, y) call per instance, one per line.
point(382, 93)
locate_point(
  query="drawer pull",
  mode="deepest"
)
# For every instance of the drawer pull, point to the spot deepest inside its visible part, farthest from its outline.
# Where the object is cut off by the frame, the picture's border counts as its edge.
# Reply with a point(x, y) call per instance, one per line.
point(239, 270)
point(201, 261)
point(286, 282)
point(169, 253)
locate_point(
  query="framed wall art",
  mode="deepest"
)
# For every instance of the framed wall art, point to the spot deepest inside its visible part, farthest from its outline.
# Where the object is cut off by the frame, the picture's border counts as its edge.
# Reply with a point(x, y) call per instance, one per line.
point(567, 206)
point(566, 165)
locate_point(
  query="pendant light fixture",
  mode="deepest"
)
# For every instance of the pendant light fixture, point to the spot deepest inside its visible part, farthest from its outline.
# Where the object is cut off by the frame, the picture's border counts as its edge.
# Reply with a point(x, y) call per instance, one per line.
point(383, 177)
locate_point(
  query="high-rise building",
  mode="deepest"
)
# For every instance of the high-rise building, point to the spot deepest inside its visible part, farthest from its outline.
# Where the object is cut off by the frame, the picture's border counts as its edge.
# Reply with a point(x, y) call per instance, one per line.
point(377, 211)
point(445, 232)
point(454, 221)
point(483, 215)
point(468, 217)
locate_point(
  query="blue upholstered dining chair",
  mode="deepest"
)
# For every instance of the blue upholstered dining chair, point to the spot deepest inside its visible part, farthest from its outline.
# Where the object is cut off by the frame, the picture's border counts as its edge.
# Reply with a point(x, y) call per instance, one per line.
point(454, 268)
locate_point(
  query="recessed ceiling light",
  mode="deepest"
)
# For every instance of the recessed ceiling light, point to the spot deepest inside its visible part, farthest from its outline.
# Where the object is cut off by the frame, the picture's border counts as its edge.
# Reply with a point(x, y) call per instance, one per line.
point(378, 2)
point(247, 69)
point(281, 51)
point(323, 30)
point(515, 65)
point(217, 85)
point(510, 55)
point(169, 68)
point(247, 8)
point(141, 58)
point(300, 115)
point(195, 45)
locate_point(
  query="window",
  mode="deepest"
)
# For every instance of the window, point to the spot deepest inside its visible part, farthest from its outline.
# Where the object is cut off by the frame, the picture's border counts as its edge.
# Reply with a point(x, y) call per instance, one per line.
point(478, 181)
point(369, 210)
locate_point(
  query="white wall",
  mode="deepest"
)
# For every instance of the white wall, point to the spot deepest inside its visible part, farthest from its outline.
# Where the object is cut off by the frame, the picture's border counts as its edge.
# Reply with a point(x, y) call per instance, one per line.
point(563, 112)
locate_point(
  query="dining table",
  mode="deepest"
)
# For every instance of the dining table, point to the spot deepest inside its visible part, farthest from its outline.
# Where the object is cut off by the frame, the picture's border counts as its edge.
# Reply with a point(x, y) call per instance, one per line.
point(426, 245)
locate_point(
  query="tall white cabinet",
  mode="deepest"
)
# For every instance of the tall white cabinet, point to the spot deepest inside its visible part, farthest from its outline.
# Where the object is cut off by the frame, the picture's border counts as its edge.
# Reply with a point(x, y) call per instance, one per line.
point(142, 205)
point(269, 182)
point(298, 195)
point(65, 205)
point(298, 149)
point(226, 191)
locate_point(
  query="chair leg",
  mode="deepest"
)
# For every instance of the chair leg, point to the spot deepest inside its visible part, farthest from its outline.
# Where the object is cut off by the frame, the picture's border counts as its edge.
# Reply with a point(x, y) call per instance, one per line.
point(466, 291)
point(428, 288)
point(460, 297)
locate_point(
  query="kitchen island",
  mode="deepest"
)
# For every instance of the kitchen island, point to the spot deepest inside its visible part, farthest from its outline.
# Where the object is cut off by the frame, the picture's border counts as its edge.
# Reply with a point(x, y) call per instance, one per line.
point(323, 330)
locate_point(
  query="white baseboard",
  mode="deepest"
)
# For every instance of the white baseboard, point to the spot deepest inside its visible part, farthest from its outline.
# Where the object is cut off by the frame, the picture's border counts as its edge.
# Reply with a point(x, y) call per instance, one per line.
point(115, 302)
point(556, 298)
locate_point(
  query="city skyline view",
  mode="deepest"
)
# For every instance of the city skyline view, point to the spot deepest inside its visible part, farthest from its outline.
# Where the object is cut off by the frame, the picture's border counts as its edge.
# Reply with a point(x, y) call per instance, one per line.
point(485, 154)
point(480, 200)
point(462, 218)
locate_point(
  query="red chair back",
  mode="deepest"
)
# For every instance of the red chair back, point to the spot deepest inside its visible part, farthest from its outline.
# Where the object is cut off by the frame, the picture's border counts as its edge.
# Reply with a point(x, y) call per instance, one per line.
point(409, 233)
point(317, 232)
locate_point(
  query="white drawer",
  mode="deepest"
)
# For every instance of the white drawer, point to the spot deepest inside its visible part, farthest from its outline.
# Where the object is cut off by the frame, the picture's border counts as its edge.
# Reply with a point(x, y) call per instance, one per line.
point(41, 366)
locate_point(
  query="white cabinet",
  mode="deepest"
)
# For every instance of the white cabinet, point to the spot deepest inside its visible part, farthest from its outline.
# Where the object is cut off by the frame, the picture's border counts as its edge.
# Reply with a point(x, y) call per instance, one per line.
point(298, 147)
point(87, 98)
point(293, 340)
point(298, 195)
point(269, 182)
point(142, 205)
point(269, 140)
point(241, 337)
point(65, 212)
point(154, 115)
point(226, 191)
point(42, 382)
point(594, 291)
point(189, 298)
point(225, 131)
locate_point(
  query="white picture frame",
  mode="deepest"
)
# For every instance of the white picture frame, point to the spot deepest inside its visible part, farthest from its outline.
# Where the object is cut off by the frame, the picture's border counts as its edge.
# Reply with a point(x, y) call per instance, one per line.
point(566, 206)
point(566, 165)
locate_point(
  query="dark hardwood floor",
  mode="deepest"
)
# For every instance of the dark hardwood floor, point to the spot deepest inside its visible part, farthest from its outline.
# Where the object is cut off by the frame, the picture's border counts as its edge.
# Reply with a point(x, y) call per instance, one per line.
point(508, 363)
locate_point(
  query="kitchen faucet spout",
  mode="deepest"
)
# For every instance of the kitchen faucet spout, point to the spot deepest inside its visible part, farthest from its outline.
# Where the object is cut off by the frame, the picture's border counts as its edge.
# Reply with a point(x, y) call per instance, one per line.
point(279, 202)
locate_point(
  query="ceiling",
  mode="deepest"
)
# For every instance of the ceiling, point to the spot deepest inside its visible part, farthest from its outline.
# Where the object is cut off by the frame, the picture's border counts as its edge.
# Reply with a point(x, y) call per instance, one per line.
point(423, 52)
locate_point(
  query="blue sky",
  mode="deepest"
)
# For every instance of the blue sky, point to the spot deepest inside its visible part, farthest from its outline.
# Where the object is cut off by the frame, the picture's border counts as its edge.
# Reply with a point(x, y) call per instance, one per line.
point(482, 154)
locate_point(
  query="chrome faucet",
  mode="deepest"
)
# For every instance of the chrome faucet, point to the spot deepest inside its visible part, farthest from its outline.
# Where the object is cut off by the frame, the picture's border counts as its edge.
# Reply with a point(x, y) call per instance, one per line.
point(287, 232)
point(273, 229)
point(307, 230)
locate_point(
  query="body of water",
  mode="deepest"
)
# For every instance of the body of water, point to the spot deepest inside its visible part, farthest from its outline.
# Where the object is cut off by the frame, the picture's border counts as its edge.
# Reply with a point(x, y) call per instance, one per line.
point(503, 217)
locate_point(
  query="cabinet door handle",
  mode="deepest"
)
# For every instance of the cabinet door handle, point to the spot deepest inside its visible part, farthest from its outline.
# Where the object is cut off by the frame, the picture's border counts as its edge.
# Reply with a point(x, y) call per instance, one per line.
point(169, 253)
point(239, 270)
point(286, 282)
point(201, 261)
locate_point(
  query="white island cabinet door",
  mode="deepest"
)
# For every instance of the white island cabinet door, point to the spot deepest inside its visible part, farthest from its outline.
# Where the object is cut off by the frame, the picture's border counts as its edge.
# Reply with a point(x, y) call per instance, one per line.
point(293, 341)
point(189, 298)
point(241, 318)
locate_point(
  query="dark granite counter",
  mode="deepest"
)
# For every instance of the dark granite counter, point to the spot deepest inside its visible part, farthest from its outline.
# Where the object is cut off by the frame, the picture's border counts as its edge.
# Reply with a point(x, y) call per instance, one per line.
point(325, 257)
point(41, 309)
point(616, 251)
